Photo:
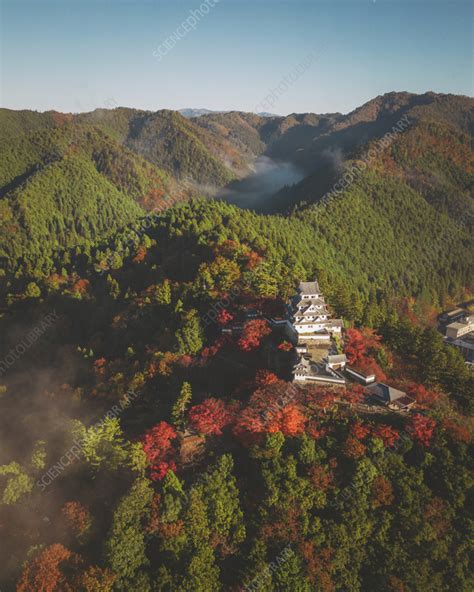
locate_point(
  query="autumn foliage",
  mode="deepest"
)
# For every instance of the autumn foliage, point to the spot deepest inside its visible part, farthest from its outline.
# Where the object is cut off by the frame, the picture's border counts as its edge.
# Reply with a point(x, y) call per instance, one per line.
point(157, 445)
point(421, 428)
point(422, 395)
point(211, 416)
point(360, 348)
point(77, 517)
point(382, 492)
point(253, 333)
point(46, 572)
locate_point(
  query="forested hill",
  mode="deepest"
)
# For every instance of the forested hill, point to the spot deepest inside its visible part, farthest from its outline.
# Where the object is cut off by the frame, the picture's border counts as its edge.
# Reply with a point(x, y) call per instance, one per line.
point(145, 449)
point(431, 152)
point(71, 181)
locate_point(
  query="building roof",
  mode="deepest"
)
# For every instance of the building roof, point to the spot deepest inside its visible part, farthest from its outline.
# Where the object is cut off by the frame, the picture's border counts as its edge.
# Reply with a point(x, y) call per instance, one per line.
point(461, 324)
point(311, 313)
point(309, 287)
point(360, 372)
point(337, 359)
point(309, 301)
point(305, 366)
point(385, 392)
point(453, 313)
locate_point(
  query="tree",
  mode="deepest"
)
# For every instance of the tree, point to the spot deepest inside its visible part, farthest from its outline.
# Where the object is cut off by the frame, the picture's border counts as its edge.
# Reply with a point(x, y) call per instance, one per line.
point(18, 483)
point(125, 545)
point(189, 335)
point(161, 293)
point(253, 333)
point(210, 417)
point(32, 290)
point(355, 347)
point(103, 444)
point(78, 518)
point(221, 495)
point(159, 450)
point(201, 573)
point(382, 491)
point(96, 579)
point(47, 572)
point(290, 421)
point(421, 428)
point(353, 448)
point(180, 405)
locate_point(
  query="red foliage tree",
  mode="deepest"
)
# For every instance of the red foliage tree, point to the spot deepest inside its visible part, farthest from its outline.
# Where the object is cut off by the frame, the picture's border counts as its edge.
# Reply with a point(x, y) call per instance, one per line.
point(81, 286)
point(370, 366)
point(285, 346)
point(318, 566)
point(359, 345)
point(321, 477)
point(212, 350)
point(249, 426)
point(253, 259)
point(320, 397)
point(253, 333)
point(386, 433)
point(158, 448)
point(314, 430)
point(210, 417)
point(355, 348)
point(359, 430)
point(421, 428)
point(421, 394)
point(435, 515)
point(353, 394)
point(159, 470)
point(99, 366)
point(224, 317)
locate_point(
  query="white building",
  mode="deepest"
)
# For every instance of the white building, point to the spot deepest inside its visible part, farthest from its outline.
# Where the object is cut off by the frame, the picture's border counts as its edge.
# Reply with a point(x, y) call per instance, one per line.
point(310, 315)
point(461, 327)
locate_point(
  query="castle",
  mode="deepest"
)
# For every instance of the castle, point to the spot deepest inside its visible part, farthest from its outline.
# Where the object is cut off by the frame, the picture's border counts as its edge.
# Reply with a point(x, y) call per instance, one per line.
point(314, 330)
point(310, 316)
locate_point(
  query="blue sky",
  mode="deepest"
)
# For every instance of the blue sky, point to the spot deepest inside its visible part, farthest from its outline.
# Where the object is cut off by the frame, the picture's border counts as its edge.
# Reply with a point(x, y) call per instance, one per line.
point(76, 55)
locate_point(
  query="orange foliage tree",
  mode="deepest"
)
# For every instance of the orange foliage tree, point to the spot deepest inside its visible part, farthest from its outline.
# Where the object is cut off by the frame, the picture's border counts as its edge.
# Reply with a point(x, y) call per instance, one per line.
point(47, 571)
point(253, 333)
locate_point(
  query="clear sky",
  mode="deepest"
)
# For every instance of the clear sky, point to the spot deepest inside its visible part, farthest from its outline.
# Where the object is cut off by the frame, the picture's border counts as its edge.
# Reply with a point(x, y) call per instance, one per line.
point(76, 55)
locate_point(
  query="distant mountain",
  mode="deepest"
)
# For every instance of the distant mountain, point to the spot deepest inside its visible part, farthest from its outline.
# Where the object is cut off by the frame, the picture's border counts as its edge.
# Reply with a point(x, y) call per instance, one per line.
point(190, 113)
point(72, 179)
point(433, 155)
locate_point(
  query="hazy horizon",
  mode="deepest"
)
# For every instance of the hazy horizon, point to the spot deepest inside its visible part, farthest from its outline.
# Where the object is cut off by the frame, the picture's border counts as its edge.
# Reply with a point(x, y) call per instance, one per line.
point(189, 108)
point(294, 57)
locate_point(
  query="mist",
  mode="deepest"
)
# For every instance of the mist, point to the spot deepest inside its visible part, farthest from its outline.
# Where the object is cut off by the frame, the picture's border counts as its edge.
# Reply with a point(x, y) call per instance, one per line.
point(256, 190)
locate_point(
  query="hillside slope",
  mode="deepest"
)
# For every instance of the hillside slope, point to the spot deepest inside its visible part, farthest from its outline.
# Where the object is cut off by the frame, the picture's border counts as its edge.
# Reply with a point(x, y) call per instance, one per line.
point(71, 185)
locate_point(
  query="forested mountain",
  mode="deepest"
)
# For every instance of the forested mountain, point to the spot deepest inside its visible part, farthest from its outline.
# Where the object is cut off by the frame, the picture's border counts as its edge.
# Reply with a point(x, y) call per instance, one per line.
point(404, 222)
point(433, 153)
point(144, 448)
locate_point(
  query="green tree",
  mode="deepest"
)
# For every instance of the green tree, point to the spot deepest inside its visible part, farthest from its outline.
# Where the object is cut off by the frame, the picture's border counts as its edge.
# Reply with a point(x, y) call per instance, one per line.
point(32, 290)
point(180, 406)
point(189, 335)
point(125, 546)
